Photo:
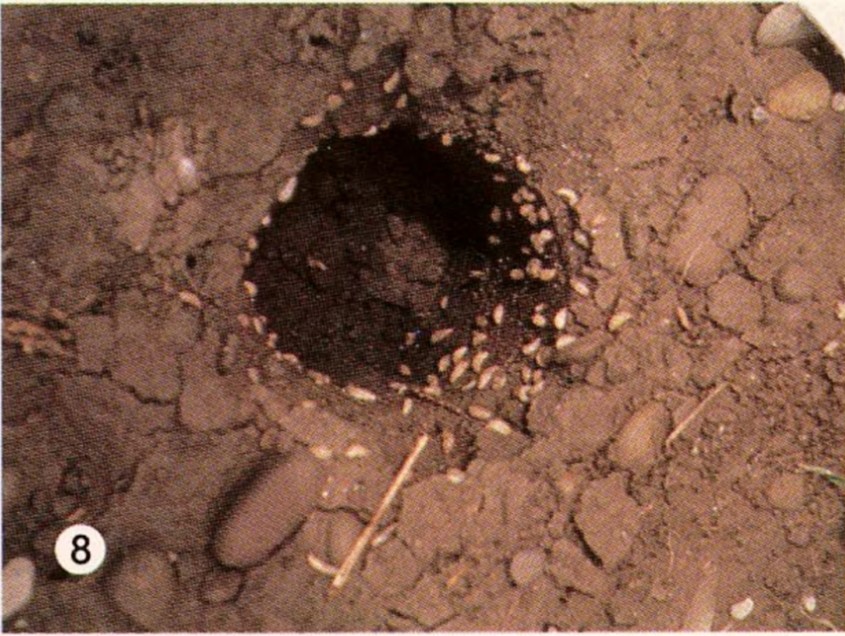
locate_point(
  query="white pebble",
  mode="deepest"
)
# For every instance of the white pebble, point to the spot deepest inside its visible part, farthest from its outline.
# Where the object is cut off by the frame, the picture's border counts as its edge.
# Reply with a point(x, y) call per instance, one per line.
point(740, 611)
point(498, 314)
point(251, 288)
point(808, 602)
point(441, 335)
point(837, 102)
point(522, 165)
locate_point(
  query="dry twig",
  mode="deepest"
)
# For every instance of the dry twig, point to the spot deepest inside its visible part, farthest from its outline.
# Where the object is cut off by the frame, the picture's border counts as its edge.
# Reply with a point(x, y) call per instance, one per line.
point(695, 413)
point(364, 538)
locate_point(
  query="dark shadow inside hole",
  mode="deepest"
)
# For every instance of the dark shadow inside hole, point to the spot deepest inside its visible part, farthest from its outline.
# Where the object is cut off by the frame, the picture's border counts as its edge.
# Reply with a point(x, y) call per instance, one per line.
point(379, 231)
point(827, 60)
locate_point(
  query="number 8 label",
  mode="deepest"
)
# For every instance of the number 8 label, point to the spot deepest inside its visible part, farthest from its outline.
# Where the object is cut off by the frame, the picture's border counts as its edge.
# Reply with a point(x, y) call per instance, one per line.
point(80, 549)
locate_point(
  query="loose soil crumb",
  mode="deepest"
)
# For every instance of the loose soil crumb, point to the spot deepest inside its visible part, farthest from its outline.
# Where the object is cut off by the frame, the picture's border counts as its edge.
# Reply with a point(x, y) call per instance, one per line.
point(250, 255)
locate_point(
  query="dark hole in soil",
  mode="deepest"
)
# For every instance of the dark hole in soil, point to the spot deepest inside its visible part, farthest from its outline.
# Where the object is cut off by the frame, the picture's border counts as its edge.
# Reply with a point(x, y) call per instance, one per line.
point(380, 230)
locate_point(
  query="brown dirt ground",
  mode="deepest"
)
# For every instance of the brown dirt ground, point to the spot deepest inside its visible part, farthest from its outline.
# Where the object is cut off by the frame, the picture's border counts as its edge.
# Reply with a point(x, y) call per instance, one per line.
point(143, 146)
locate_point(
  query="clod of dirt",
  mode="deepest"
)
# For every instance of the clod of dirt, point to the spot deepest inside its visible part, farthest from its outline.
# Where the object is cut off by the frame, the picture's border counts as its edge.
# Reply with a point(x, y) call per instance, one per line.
point(329, 535)
point(713, 221)
point(604, 224)
point(637, 446)
point(208, 401)
point(577, 421)
point(526, 565)
point(702, 607)
point(310, 426)
point(144, 587)
point(734, 303)
point(801, 98)
point(609, 519)
point(272, 507)
point(13, 488)
point(18, 584)
point(94, 336)
point(221, 586)
point(794, 283)
point(786, 492)
point(571, 568)
point(391, 568)
point(721, 356)
point(390, 240)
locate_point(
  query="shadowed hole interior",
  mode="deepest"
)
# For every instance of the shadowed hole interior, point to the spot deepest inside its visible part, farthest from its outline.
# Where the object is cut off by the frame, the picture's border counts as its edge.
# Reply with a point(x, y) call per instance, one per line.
point(379, 231)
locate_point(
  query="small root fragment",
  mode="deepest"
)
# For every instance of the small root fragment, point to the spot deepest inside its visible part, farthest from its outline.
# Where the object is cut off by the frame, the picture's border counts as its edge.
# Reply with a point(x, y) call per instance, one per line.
point(680, 428)
point(366, 535)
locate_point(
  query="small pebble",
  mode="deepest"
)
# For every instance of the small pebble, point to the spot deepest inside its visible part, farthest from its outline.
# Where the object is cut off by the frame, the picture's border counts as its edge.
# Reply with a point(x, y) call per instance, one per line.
point(522, 165)
point(837, 102)
point(268, 511)
point(808, 602)
point(526, 565)
point(801, 98)
point(18, 585)
point(334, 101)
point(742, 610)
point(785, 25)
point(144, 586)
point(498, 314)
point(568, 194)
point(786, 492)
point(221, 586)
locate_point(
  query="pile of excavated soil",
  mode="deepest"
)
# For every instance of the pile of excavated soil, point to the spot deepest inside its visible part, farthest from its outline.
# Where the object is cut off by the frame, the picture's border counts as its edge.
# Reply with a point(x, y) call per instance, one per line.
point(250, 254)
